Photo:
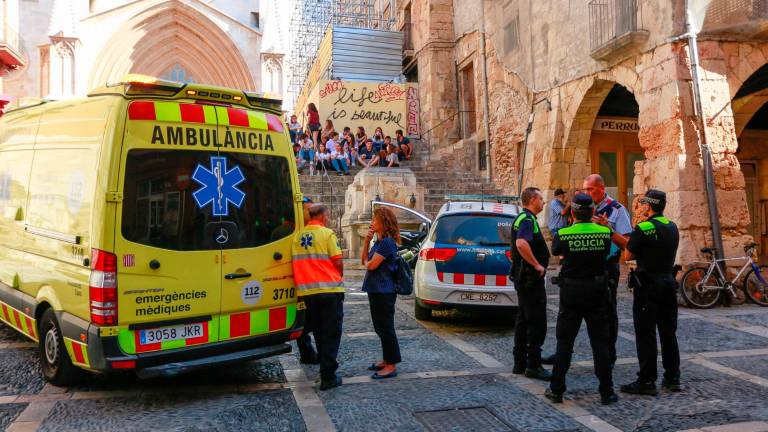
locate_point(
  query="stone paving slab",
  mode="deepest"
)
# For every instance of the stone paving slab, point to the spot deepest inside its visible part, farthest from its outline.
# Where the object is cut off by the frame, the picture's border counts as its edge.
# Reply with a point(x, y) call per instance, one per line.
point(272, 411)
point(500, 344)
point(389, 405)
point(696, 335)
point(20, 372)
point(8, 413)
point(357, 319)
point(420, 352)
point(709, 398)
point(254, 372)
point(760, 319)
point(753, 365)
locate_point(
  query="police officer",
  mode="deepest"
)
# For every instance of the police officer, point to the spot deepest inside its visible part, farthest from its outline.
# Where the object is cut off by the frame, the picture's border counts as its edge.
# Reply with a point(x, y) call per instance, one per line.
point(317, 273)
point(653, 244)
point(584, 295)
point(610, 212)
point(530, 257)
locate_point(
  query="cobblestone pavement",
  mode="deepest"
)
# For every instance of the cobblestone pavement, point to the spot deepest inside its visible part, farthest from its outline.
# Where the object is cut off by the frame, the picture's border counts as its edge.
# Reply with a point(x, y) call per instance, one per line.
point(456, 376)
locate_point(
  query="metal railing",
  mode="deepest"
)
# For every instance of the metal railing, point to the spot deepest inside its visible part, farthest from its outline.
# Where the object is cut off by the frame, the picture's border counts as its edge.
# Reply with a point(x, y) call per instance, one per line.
point(609, 20)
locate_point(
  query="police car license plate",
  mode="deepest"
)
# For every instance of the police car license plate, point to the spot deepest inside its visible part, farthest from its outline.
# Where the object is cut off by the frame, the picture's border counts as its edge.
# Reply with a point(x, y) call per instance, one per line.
point(480, 297)
point(172, 333)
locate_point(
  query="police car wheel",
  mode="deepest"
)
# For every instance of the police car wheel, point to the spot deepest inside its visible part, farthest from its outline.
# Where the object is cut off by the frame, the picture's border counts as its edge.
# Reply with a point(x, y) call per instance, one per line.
point(56, 364)
point(421, 313)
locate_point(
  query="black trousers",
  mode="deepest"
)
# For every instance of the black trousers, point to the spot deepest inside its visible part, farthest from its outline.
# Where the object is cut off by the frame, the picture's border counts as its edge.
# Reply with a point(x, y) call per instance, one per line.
point(588, 301)
point(383, 317)
point(531, 324)
point(655, 307)
point(325, 315)
point(614, 272)
point(304, 343)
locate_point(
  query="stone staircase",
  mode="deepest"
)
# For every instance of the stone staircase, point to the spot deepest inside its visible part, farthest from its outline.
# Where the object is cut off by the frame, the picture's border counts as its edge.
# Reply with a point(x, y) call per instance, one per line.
point(437, 180)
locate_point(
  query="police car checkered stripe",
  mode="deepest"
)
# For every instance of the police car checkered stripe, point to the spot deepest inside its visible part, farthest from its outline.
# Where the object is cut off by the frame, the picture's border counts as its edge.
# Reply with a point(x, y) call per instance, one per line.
point(474, 279)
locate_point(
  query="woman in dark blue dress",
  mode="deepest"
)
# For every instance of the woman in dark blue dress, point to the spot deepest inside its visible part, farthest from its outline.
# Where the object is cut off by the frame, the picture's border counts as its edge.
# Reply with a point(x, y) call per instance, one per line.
point(379, 284)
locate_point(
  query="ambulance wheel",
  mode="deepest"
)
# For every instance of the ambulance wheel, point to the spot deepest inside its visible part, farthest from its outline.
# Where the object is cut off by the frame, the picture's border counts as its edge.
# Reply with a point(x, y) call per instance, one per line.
point(421, 313)
point(57, 366)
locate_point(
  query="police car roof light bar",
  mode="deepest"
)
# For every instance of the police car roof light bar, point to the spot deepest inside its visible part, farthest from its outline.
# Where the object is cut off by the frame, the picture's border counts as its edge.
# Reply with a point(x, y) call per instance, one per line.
point(506, 199)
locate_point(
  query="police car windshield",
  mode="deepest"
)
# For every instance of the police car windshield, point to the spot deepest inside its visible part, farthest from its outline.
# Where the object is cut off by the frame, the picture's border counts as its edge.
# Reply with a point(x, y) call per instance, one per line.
point(474, 230)
point(199, 200)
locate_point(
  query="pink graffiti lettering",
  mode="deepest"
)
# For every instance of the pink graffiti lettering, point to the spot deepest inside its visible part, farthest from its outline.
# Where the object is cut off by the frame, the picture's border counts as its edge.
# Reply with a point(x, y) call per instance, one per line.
point(331, 88)
point(389, 92)
point(413, 112)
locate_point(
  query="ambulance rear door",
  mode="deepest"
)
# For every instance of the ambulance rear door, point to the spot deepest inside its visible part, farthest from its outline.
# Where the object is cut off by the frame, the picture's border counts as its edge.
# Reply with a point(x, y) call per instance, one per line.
point(258, 296)
point(169, 230)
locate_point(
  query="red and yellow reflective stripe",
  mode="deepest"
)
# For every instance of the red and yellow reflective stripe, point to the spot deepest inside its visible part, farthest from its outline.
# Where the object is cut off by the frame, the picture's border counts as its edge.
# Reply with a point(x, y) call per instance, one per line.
point(19, 321)
point(174, 112)
point(258, 322)
point(78, 352)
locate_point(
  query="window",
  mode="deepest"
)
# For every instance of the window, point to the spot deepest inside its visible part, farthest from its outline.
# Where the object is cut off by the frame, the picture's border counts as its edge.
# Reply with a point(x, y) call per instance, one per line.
point(482, 154)
point(474, 230)
point(159, 208)
point(469, 116)
point(255, 19)
point(512, 34)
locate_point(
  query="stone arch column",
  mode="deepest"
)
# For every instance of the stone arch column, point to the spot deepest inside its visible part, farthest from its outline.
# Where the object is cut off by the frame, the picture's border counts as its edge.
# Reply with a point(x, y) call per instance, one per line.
point(170, 33)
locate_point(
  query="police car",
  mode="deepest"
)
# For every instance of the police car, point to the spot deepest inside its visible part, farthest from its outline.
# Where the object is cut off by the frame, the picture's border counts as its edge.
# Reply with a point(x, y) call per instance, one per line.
point(464, 260)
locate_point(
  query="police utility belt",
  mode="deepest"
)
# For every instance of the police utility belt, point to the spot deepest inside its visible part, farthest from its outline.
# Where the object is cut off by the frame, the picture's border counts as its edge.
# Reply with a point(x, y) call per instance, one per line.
point(560, 280)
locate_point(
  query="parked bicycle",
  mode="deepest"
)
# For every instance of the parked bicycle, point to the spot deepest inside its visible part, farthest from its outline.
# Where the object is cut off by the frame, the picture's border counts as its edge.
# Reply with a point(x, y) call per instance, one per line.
point(702, 287)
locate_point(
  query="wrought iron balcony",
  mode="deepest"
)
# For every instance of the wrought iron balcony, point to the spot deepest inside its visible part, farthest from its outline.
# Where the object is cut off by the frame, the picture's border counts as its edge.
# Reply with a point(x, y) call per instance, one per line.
point(613, 28)
point(11, 55)
point(739, 17)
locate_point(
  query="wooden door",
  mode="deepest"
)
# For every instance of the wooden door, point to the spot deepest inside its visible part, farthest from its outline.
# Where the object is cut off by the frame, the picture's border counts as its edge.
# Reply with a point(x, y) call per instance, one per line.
point(613, 156)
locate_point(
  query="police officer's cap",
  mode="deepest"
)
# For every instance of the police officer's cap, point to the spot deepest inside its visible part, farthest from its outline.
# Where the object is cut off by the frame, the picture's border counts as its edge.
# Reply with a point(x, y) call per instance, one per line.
point(653, 196)
point(582, 201)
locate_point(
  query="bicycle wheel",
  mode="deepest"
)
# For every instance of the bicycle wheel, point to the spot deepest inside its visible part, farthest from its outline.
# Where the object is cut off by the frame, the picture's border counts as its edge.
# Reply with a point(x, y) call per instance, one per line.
point(756, 286)
point(696, 291)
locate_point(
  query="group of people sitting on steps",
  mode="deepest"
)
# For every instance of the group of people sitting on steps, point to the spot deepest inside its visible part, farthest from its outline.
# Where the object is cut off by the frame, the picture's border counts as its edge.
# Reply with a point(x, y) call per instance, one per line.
point(320, 149)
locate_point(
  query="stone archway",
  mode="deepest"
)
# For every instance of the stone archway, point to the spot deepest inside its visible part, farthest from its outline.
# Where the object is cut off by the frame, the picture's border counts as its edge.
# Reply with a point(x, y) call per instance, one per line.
point(598, 131)
point(172, 35)
point(750, 112)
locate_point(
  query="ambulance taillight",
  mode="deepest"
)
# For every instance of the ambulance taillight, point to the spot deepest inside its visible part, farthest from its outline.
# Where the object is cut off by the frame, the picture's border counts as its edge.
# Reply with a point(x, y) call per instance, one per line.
point(103, 288)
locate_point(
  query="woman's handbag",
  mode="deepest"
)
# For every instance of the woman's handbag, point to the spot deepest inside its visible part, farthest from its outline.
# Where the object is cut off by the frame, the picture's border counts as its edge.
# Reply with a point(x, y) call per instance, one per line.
point(403, 277)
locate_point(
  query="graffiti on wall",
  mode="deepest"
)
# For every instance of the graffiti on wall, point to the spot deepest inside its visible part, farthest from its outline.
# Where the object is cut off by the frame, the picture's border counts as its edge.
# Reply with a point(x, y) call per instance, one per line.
point(365, 104)
point(413, 111)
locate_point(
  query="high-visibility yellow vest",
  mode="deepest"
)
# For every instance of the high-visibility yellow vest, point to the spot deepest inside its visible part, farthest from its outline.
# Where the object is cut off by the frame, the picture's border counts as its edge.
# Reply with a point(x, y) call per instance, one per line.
point(314, 249)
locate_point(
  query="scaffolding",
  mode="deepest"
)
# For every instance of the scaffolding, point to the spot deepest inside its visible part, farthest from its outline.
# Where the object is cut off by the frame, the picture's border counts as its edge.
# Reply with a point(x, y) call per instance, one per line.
point(311, 19)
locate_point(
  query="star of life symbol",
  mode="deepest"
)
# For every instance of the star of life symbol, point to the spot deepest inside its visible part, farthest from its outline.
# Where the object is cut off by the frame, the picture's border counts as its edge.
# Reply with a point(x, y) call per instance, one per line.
point(306, 241)
point(219, 186)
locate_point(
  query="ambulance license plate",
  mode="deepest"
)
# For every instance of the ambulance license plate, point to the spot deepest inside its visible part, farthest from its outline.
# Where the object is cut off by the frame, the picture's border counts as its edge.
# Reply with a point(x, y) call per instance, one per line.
point(480, 297)
point(172, 333)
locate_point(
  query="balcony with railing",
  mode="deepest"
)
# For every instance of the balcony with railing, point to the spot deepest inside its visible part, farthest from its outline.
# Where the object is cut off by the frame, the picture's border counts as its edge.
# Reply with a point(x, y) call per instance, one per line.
point(737, 17)
point(11, 55)
point(613, 28)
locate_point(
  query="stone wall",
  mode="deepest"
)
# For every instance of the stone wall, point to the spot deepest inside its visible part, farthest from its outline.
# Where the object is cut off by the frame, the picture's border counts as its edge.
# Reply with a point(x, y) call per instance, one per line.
point(548, 72)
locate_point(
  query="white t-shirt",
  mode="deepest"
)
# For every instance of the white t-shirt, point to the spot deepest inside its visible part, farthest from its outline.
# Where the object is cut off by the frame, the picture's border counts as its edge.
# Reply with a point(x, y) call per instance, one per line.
point(294, 126)
point(392, 157)
point(322, 156)
point(331, 145)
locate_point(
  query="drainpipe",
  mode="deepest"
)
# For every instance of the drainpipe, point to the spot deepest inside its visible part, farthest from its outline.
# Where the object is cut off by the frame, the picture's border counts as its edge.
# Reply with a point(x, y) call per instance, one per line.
point(486, 121)
point(706, 154)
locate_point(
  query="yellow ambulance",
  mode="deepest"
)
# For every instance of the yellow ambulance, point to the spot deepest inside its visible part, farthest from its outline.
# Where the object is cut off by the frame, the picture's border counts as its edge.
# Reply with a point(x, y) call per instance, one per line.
point(148, 227)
